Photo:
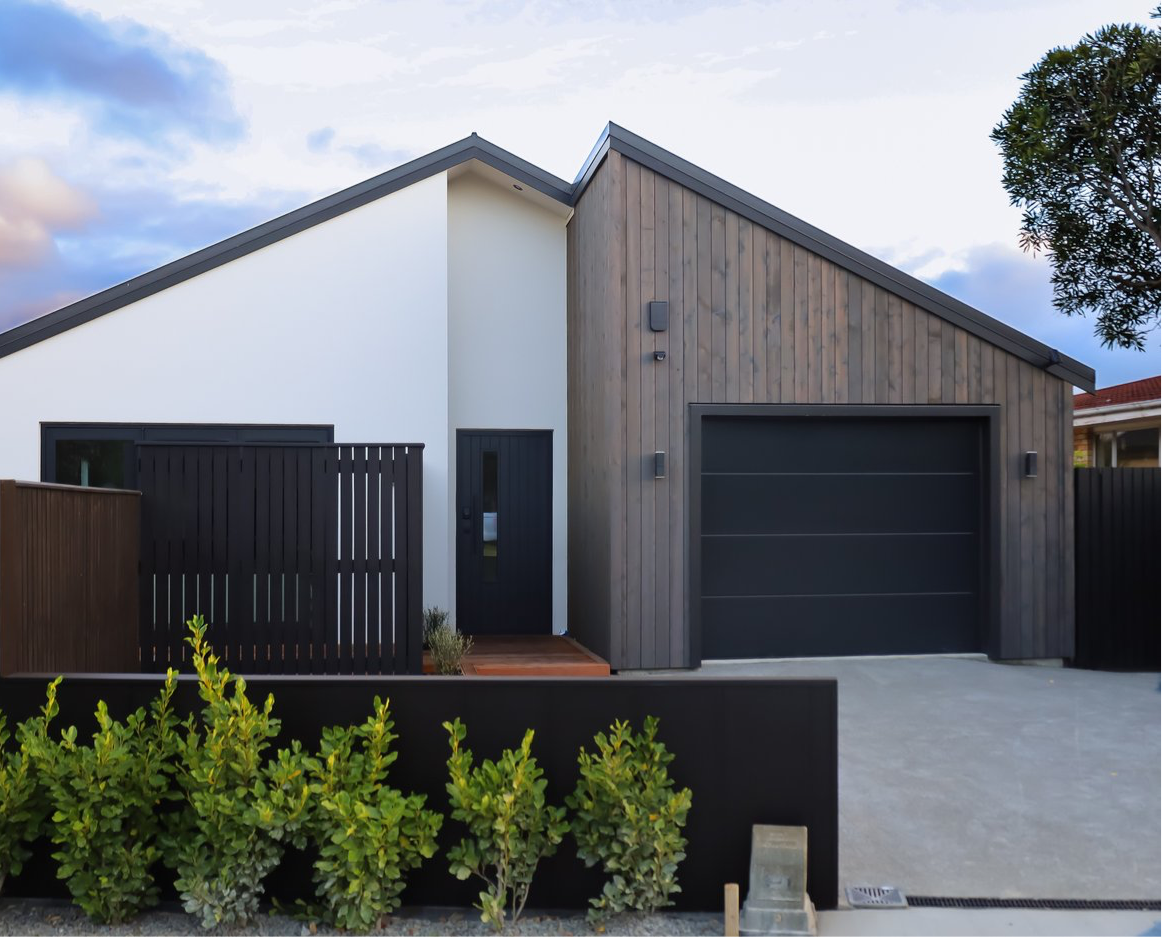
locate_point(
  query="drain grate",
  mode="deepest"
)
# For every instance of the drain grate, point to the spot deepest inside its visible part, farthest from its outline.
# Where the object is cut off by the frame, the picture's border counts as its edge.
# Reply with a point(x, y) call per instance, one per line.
point(1073, 905)
point(875, 897)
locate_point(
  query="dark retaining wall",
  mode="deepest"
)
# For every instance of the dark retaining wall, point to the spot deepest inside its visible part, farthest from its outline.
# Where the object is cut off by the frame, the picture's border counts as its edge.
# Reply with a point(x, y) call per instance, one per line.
point(751, 750)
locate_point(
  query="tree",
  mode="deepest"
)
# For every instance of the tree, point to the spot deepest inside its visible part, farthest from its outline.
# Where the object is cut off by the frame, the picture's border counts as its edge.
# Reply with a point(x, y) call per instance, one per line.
point(1081, 151)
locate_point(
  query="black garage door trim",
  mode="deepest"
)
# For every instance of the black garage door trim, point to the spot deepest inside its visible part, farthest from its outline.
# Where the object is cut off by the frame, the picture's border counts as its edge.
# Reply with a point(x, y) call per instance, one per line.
point(990, 559)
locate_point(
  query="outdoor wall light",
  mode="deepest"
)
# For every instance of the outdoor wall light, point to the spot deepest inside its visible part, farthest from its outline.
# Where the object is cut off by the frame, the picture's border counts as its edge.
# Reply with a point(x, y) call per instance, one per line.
point(659, 465)
point(1031, 464)
point(660, 355)
point(659, 315)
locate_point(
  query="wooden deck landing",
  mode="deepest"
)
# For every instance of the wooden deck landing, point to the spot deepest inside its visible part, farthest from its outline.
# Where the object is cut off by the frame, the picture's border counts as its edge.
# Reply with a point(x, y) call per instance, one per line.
point(529, 656)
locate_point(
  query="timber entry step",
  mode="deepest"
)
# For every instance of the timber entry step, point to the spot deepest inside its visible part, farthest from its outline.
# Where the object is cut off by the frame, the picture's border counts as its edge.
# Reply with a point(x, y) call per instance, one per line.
point(529, 655)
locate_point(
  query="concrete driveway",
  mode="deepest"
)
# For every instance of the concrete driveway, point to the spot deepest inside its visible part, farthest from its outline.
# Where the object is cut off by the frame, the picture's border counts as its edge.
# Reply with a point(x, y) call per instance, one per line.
point(962, 777)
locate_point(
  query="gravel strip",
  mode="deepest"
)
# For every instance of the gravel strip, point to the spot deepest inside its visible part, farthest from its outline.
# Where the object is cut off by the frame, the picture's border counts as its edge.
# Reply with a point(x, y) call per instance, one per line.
point(23, 917)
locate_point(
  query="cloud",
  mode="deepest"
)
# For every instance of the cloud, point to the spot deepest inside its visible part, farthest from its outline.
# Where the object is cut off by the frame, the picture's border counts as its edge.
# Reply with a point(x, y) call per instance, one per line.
point(366, 154)
point(34, 205)
point(137, 229)
point(136, 81)
point(376, 156)
point(319, 141)
point(1015, 288)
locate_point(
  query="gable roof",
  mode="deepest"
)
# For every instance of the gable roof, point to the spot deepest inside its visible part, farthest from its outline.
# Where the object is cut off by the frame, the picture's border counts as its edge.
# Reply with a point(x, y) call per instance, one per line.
point(1133, 392)
point(613, 138)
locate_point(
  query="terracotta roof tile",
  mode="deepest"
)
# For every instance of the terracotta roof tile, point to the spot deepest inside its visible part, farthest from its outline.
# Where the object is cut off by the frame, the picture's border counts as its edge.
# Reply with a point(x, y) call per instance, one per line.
point(1147, 389)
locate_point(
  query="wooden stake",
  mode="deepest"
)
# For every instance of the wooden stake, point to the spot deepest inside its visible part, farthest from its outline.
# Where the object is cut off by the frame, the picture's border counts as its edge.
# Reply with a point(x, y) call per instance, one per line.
point(730, 910)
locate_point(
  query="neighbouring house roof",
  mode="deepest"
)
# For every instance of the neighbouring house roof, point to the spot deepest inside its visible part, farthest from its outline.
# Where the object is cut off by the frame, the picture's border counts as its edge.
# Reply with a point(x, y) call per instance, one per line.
point(614, 138)
point(1132, 392)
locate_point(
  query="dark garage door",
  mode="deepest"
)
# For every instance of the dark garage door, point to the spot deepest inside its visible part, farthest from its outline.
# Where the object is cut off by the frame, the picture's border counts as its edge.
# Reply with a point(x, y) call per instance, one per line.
point(840, 536)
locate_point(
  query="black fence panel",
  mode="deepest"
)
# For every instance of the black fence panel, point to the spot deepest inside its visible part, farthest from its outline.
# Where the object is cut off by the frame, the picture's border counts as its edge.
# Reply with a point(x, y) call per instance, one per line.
point(1118, 533)
point(752, 751)
point(303, 558)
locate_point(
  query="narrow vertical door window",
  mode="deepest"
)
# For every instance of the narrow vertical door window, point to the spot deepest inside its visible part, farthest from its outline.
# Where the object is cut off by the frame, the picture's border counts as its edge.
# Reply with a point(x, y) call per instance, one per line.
point(488, 526)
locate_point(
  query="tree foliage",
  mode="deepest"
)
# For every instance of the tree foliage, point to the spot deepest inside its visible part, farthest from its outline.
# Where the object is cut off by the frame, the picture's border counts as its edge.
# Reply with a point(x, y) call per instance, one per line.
point(1081, 151)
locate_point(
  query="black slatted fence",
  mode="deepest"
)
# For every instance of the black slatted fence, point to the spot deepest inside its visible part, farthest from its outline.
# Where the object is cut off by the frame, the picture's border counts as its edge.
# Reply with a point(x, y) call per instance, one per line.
point(303, 559)
point(1118, 532)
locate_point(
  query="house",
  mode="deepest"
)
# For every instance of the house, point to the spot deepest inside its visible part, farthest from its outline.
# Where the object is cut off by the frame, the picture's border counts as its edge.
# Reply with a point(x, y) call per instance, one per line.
point(1118, 426)
point(663, 414)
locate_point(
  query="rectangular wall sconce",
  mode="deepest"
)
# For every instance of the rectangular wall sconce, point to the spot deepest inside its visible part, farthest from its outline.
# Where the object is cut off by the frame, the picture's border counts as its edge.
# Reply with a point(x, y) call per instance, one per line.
point(659, 465)
point(659, 316)
point(1031, 464)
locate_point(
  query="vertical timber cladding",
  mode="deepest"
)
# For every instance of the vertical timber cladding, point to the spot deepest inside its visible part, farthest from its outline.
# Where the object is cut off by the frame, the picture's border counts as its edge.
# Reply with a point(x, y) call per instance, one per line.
point(756, 318)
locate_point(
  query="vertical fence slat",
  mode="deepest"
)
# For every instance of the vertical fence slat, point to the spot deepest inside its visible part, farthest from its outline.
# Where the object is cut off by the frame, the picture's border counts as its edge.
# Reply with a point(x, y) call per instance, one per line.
point(318, 614)
point(359, 560)
point(413, 561)
point(260, 578)
point(147, 638)
point(387, 537)
point(346, 568)
point(374, 563)
point(283, 551)
point(331, 507)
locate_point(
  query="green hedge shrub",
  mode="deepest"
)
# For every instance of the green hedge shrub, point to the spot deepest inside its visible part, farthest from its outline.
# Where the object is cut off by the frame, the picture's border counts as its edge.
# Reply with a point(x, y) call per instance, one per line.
point(368, 834)
point(240, 811)
point(628, 818)
point(107, 803)
point(22, 802)
point(510, 827)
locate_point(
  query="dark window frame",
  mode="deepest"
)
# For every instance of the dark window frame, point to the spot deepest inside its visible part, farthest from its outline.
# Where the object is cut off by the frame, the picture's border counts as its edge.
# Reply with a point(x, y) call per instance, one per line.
point(52, 432)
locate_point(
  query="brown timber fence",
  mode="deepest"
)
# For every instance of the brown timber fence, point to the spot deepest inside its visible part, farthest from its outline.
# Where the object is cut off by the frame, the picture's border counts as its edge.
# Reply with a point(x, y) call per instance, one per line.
point(1118, 533)
point(303, 558)
point(68, 578)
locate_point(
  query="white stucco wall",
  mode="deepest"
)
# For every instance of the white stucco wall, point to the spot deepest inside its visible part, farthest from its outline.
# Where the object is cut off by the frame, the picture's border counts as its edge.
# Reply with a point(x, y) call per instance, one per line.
point(344, 323)
point(506, 334)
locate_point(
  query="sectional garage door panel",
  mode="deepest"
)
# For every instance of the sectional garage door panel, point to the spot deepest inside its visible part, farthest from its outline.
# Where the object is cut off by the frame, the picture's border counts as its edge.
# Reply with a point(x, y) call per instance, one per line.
point(796, 626)
point(834, 536)
point(837, 444)
point(787, 503)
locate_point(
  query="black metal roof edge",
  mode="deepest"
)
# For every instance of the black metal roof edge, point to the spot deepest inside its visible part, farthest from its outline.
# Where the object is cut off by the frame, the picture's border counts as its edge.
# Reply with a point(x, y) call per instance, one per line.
point(246, 242)
point(852, 258)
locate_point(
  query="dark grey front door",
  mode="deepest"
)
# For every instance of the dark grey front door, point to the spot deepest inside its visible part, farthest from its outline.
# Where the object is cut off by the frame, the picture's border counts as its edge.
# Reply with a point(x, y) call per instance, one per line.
point(504, 531)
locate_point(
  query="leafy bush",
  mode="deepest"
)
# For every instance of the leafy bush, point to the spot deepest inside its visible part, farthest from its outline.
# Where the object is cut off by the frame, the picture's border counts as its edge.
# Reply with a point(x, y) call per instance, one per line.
point(446, 644)
point(106, 799)
point(509, 825)
point(22, 802)
point(434, 618)
point(629, 818)
point(368, 834)
point(240, 810)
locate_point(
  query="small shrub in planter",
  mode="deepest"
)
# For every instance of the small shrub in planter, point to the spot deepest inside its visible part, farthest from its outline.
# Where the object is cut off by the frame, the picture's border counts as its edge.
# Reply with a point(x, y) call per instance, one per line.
point(510, 827)
point(107, 803)
point(22, 802)
point(368, 834)
point(628, 818)
point(446, 644)
point(240, 811)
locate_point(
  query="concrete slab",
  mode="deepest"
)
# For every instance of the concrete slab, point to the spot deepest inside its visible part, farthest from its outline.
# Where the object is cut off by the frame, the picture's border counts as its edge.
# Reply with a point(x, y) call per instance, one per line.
point(964, 777)
point(985, 922)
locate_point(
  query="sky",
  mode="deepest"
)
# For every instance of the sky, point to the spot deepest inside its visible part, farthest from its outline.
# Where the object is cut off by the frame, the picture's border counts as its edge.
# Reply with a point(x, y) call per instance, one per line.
point(137, 131)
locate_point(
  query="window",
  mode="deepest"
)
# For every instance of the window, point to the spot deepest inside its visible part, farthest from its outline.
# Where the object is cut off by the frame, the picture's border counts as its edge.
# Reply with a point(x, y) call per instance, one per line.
point(1127, 448)
point(104, 455)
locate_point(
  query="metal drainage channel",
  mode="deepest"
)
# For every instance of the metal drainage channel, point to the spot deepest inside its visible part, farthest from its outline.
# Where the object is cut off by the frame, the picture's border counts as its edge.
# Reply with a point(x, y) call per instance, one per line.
point(1072, 905)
